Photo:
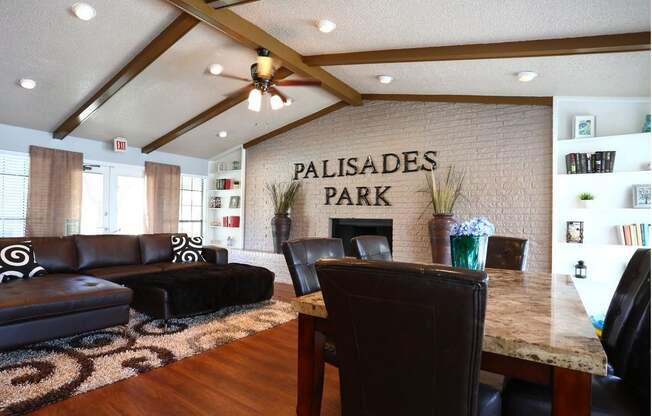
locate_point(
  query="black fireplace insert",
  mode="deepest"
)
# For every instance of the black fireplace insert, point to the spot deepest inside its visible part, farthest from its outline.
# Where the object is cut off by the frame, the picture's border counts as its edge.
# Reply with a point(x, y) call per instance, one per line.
point(347, 228)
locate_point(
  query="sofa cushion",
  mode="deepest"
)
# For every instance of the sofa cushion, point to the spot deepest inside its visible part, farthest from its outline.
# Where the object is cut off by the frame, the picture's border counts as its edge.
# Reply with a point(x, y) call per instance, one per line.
point(54, 295)
point(180, 266)
point(55, 254)
point(17, 262)
point(155, 248)
point(107, 250)
point(118, 272)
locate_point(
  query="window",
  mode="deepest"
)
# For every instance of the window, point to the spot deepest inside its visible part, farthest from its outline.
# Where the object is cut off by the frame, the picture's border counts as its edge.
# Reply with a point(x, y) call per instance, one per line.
point(14, 183)
point(191, 215)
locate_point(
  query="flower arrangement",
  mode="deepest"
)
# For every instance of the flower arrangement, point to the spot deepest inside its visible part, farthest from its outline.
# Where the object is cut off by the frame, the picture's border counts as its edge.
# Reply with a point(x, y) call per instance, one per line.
point(477, 227)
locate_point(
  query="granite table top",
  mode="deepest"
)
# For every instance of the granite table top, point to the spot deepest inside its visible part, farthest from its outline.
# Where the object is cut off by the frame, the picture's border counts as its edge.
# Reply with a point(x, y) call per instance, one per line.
point(532, 316)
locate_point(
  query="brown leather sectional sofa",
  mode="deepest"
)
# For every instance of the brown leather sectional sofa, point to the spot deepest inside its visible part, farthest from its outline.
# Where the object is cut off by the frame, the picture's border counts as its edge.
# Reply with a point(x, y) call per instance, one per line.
point(78, 294)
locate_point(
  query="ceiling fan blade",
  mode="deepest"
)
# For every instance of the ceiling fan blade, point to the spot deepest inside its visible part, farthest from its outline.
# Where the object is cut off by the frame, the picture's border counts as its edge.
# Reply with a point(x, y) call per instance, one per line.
point(274, 90)
point(298, 83)
point(221, 4)
point(234, 77)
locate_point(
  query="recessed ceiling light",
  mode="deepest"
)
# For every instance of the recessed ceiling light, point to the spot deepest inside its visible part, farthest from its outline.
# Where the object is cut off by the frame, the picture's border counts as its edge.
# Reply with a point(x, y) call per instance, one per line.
point(326, 26)
point(27, 83)
point(526, 76)
point(222, 134)
point(84, 11)
point(385, 79)
point(215, 69)
point(288, 102)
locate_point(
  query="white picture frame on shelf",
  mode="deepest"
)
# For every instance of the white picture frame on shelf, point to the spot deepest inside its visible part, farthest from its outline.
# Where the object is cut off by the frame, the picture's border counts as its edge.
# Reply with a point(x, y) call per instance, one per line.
point(641, 196)
point(583, 127)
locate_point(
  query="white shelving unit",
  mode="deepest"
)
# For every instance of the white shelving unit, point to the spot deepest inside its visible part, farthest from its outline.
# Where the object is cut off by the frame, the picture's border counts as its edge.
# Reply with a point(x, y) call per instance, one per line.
point(618, 125)
point(216, 230)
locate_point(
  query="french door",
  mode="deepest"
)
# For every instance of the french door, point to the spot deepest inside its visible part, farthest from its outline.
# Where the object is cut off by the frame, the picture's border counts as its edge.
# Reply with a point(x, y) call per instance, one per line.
point(113, 199)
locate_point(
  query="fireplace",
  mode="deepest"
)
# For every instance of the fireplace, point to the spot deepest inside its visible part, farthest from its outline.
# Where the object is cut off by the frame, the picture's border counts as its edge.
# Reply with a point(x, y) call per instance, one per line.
point(347, 228)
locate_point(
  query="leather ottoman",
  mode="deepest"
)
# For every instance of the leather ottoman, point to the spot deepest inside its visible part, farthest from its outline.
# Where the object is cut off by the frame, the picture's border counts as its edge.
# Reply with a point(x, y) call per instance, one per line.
point(47, 307)
point(193, 291)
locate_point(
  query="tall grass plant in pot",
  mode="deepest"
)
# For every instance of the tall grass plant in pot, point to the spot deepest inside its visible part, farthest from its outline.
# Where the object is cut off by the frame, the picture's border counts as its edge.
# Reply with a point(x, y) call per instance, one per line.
point(283, 196)
point(444, 187)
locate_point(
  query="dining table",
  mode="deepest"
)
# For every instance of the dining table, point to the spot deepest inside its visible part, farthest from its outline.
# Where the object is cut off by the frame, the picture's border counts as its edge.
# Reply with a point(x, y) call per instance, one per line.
point(536, 329)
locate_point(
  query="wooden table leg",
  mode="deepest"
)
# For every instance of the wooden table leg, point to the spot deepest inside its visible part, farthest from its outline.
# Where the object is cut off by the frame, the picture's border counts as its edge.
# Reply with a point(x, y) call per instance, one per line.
point(571, 392)
point(310, 371)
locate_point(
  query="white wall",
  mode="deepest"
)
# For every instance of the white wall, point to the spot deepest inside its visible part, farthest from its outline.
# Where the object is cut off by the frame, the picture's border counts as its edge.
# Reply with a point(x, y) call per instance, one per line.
point(18, 139)
point(505, 149)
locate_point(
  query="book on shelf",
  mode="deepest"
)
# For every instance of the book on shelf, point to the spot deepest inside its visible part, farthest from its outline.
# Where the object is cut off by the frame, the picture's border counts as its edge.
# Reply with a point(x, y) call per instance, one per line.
point(596, 162)
point(634, 234)
point(232, 221)
point(222, 184)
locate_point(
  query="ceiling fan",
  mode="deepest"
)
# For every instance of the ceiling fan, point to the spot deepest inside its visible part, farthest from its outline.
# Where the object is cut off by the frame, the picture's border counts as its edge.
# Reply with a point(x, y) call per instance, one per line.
point(263, 82)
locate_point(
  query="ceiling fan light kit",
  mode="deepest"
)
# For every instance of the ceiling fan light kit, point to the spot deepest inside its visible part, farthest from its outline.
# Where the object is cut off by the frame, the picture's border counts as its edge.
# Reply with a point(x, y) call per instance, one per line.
point(276, 102)
point(255, 100)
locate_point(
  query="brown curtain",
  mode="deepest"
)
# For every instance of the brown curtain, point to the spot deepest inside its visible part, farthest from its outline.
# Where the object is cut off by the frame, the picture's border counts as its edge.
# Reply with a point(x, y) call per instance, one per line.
point(163, 190)
point(55, 191)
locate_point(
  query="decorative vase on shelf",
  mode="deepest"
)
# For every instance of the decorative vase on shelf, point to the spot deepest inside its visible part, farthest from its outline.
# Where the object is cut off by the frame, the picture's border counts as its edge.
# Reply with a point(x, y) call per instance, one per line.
point(587, 203)
point(440, 230)
point(281, 225)
point(469, 242)
point(469, 251)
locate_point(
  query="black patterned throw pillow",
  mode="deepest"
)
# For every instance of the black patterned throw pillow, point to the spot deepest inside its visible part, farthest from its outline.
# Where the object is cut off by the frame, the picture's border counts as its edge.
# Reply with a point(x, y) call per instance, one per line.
point(17, 261)
point(186, 249)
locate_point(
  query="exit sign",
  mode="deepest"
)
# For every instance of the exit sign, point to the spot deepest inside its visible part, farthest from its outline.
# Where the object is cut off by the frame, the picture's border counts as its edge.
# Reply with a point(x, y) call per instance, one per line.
point(119, 144)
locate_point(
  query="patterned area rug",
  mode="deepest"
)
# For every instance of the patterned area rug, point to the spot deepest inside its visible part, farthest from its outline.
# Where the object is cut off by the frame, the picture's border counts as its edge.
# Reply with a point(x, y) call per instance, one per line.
point(51, 371)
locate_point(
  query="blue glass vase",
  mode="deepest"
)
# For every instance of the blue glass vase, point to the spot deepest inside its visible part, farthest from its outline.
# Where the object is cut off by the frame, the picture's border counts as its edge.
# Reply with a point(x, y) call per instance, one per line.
point(469, 251)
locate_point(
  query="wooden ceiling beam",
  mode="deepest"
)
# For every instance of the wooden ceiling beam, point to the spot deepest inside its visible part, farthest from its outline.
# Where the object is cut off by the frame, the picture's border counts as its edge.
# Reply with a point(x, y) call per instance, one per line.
point(161, 43)
point(480, 99)
point(296, 124)
point(624, 42)
point(250, 35)
point(229, 102)
point(220, 4)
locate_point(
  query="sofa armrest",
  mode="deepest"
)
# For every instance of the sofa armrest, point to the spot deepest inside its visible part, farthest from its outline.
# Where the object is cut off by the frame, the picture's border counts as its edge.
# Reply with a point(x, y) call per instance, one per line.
point(215, 254)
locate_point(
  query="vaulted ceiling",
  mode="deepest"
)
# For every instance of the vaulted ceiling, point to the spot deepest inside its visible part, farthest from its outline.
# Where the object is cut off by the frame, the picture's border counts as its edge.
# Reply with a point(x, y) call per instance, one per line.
point(70, 59)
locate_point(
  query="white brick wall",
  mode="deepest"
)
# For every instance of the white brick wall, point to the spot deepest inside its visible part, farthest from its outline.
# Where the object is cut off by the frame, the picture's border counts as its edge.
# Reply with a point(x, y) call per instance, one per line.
point(506, 150)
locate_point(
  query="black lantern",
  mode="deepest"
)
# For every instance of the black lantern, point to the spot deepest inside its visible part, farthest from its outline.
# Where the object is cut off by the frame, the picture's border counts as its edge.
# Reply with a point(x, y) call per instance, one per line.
point(580, 270)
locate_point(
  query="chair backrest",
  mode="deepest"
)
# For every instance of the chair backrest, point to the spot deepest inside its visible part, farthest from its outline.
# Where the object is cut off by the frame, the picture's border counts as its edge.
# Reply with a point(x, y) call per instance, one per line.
point(371, 247)
point(507, 253)
point(301, 256)
point(633, 280)
point(408, 336)
point(636, 344)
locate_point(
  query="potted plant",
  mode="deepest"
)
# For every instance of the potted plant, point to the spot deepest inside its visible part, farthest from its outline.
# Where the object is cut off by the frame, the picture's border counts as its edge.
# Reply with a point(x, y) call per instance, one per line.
point(444, 189)
point(469, 243)
point(586, 199)
point(283, 195)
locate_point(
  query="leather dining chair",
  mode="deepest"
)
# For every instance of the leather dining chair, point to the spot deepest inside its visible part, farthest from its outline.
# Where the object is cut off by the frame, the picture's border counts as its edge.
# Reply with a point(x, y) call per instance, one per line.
point(371, 247)
point(507, 253)
point(301, 256)
point(625, 390)
point(409, 337)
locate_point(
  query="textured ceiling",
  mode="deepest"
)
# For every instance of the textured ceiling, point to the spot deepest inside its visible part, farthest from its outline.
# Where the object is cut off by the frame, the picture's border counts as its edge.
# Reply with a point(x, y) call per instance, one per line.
point(617, 74)
point(383, 24)
point(243, 125)
point(68, 58)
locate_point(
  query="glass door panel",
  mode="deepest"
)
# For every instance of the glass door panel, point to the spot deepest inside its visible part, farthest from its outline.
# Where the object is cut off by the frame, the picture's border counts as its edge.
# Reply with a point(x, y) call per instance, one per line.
point(94, 213)
point(130, 205)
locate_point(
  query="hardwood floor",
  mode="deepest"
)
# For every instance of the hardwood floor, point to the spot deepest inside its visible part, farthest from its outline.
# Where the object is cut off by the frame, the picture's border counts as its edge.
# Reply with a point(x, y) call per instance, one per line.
point(252, 376)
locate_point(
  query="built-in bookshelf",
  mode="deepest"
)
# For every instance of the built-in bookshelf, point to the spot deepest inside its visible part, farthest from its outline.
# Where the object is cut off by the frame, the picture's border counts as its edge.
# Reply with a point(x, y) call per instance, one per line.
point(225, 199)
point(618, 124)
